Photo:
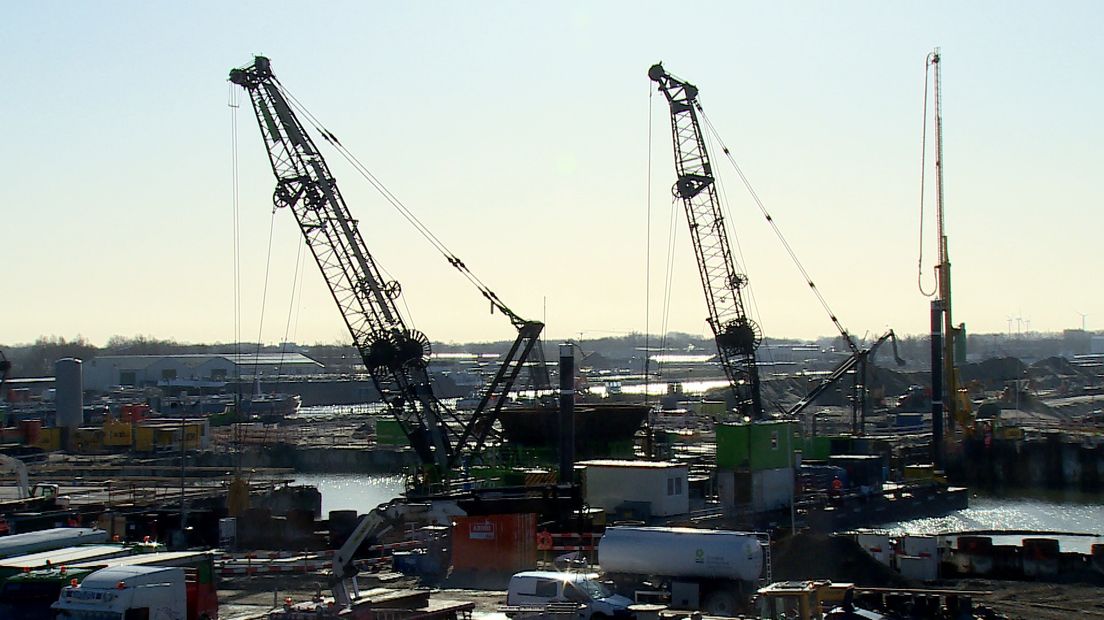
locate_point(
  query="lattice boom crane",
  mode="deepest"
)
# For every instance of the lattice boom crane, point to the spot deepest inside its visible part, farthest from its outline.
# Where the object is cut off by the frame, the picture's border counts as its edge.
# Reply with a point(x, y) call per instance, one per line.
point(395, 354)
point(736, 335)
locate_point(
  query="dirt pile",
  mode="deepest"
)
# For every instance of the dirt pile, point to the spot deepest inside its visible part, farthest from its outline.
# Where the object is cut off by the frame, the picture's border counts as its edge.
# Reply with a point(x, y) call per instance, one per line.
point(841, 559)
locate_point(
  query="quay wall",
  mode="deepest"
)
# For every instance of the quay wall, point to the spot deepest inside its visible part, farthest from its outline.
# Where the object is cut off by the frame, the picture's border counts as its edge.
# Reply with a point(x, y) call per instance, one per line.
point(1052, 462)
point(329, 460)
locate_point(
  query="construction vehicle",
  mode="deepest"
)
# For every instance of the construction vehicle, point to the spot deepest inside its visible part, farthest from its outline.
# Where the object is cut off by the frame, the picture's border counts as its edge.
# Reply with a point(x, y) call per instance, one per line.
point(948, 341)
point(370, 527)
point(146, 592)
point(736, 335)
point(45, 540)
point(395, 354)
point(542, 590)
point(856, 365)
point(715, 571)
point(810, 600)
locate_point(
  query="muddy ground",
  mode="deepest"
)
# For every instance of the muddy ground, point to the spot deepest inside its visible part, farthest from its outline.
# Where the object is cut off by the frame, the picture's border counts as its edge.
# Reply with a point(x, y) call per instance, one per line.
point(252, 597)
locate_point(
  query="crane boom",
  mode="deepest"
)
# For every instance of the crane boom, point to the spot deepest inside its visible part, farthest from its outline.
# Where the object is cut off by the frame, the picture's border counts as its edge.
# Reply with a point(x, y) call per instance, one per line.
point(736, 335)
point(395, 355)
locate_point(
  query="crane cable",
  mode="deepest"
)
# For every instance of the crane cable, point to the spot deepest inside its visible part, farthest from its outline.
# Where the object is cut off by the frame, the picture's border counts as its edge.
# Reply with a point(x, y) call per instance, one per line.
point(232, 104)
point(923, 183)
point(648, 252)
point(402, 209)
point(777, 231)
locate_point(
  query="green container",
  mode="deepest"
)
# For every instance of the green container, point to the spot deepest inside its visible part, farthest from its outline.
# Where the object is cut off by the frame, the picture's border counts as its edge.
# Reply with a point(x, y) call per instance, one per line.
point(773, 445)
point(733, 446)
point(621, 449)
point(817, 448)
point(757, 446)
point(389, 433)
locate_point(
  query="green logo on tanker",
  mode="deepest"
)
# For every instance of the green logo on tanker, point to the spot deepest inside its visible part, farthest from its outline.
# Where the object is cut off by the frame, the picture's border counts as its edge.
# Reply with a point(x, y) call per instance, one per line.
point(699, 556)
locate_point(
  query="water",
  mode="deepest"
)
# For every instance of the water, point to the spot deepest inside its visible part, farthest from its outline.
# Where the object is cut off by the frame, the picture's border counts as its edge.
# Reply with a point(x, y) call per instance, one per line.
point(1078, 513)
point(358, 492)
point(1067, 512)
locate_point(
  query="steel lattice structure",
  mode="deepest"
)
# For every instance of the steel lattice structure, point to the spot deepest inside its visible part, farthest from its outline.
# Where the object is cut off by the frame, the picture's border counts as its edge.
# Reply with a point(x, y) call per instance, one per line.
point(395, 355)
point(736, 335)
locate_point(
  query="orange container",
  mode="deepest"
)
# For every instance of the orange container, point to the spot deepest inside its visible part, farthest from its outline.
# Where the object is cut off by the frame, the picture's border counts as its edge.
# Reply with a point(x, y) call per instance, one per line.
point(30, 429)
point(494, 543)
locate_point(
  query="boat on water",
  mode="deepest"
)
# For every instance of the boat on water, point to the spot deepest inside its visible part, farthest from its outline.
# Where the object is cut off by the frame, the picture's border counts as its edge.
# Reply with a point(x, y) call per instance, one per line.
point(269, 407)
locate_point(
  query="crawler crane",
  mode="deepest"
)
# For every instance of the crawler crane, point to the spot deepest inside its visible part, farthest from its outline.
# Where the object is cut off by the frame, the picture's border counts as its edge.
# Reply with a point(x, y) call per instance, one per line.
point(395, 354)
point(736, 335)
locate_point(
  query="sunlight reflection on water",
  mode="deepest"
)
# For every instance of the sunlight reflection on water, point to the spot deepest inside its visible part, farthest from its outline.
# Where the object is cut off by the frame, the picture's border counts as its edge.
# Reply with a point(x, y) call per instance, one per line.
point(360, 492)
point(1086, 515)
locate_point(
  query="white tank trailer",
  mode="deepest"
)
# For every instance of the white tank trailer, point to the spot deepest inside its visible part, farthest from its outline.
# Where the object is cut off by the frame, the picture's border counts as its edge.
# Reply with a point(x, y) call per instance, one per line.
point(715, 571)
point(69, 395)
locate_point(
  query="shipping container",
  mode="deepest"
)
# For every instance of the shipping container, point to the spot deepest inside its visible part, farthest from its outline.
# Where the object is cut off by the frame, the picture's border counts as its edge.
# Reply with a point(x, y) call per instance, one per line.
point(494, 543)
point(143, 439)
point(49, 439)
point(117, 434)
point(389, 433)
point(648, 488)
point(757, 446)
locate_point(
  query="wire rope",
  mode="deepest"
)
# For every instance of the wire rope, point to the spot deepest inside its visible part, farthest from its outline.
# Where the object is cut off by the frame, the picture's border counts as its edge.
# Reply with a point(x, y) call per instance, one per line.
point(778, 232)
point(923, 182)
point(402, 209)
point(648, 251)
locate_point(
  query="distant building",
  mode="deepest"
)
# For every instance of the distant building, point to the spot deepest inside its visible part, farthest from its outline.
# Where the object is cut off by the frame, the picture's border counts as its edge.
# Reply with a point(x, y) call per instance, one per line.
point(1077, 342)
point(192, 370)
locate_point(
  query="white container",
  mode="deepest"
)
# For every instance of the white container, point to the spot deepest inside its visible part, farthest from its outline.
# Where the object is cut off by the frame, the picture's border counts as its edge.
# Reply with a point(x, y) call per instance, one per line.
point(228, 532)
point(681, 552)
point(877, 545)
point(922, 546)
point(920, 568)
point(664, 486)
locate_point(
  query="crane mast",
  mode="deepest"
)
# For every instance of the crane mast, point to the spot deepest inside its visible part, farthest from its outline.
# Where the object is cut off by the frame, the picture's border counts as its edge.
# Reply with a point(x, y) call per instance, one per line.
point(736, 335)
point(395, 355)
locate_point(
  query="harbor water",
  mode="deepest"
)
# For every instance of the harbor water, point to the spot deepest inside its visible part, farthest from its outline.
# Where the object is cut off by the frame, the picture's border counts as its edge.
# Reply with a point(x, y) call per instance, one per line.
point(1067, 513)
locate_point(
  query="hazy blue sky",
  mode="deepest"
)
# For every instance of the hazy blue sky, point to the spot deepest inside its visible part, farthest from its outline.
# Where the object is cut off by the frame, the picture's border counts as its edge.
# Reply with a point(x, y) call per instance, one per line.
point(518, 132)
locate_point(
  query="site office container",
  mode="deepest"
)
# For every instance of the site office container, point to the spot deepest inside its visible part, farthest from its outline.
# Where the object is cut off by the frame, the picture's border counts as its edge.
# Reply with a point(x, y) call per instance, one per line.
point(647, 488)
point(757, 446)
point(494, 543)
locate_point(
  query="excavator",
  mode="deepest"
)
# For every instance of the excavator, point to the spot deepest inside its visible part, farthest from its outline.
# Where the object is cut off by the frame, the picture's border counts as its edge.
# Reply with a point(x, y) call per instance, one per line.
point(395, 355)
point(856, 364)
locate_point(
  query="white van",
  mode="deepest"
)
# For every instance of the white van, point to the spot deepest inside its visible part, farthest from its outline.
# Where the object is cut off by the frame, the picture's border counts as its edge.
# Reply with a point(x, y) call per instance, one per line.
point(541, 588)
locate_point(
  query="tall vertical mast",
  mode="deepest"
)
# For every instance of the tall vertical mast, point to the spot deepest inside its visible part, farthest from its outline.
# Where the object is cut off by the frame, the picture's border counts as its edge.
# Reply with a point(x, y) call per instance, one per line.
point(950, 333)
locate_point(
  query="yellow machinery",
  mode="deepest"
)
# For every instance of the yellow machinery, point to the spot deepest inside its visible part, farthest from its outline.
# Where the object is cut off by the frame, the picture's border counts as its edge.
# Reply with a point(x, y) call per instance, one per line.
point(801, 600)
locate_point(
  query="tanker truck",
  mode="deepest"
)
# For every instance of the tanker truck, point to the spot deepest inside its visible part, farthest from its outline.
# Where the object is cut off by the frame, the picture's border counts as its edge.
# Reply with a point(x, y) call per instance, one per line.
point(715, 571)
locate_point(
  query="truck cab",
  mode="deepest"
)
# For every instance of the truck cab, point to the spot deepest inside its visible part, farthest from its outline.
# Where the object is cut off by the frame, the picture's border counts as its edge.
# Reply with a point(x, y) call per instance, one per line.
point(126, 593)
point(539, 589)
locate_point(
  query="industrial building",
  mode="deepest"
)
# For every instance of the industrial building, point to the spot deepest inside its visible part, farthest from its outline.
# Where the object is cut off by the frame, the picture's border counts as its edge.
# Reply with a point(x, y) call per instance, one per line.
point(192, 370)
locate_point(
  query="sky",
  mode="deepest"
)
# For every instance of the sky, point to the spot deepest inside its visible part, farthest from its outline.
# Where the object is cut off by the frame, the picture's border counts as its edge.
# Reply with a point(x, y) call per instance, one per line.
point(527, 136)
